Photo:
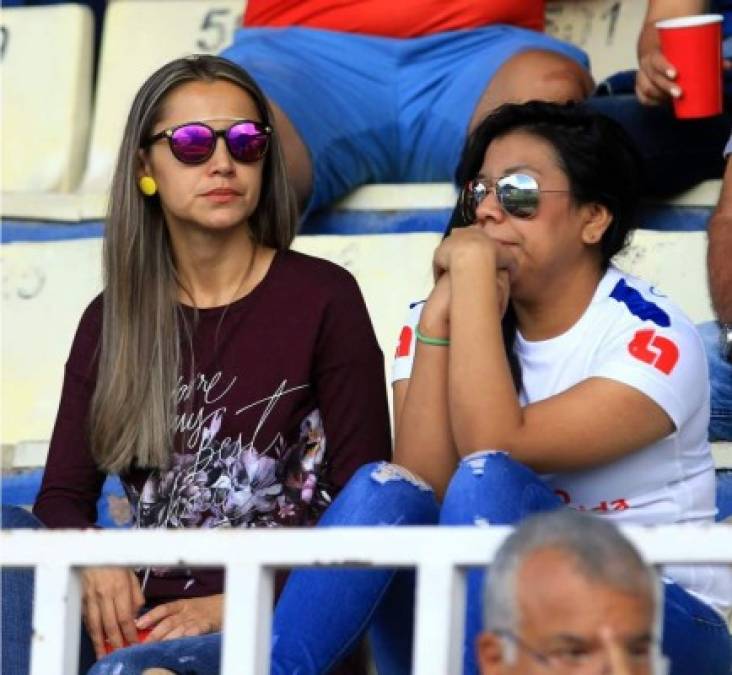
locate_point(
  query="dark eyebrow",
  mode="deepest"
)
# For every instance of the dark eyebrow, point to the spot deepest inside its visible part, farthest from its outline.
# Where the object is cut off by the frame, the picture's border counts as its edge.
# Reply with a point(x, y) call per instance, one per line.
point(643, 637)
point(519, 167)
point(567, 638)
point(575, 640)
point(511, 169)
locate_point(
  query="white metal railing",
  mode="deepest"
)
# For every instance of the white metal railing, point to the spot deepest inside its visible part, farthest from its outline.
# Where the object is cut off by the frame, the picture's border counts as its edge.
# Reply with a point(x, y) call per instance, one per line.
point(250, 557)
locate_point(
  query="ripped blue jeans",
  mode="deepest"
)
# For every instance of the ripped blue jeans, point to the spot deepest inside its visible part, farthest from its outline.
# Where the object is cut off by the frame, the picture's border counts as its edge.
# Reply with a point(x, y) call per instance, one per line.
point(322, 613)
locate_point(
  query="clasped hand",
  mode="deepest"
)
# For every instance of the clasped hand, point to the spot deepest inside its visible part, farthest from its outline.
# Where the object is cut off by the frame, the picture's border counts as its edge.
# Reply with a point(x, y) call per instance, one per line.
point(471, 250)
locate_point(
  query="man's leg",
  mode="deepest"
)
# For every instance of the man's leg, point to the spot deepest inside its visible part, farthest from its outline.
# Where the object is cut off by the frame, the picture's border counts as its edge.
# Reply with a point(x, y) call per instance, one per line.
point(297, 157)
point(695, 638)
point(535, 74)
point(333, 99)
point(17, 600)
point(677, 154)
point(720, 381)
point(451, 81)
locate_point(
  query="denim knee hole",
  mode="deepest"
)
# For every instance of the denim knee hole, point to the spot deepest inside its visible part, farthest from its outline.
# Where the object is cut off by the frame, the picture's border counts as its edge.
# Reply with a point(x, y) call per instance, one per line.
point(386, 472)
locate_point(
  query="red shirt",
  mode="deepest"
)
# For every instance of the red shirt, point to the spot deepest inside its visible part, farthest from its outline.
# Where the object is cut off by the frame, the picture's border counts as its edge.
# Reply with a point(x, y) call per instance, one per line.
point(400, 19)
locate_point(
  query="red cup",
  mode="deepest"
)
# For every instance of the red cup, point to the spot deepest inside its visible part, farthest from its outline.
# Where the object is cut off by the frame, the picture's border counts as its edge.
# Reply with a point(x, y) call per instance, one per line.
point(142, 634)
point(693, 44)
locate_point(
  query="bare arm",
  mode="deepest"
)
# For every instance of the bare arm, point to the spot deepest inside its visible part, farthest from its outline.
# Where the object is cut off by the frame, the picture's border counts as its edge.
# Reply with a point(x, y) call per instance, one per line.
point(573, 430)
point(655, 81)
point(423, 441)
point(719, 259)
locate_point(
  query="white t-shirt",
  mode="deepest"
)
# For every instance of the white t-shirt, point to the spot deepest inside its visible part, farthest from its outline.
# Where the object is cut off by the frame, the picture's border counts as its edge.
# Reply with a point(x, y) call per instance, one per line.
point(633, 334)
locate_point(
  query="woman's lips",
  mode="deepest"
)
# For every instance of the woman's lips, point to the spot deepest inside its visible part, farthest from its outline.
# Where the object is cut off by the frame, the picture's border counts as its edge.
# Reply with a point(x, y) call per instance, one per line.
point(221, 195)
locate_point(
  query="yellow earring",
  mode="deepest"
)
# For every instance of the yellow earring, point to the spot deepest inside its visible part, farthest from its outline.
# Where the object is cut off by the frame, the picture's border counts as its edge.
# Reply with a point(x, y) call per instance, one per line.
point(147, 186)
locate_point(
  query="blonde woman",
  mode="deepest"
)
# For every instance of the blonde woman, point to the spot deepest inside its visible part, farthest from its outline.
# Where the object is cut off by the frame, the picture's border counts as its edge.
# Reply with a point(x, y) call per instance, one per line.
point(229, 381)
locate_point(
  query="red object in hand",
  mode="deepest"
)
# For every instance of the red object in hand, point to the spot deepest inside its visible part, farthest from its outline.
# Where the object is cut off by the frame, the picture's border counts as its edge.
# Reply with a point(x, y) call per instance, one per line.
point(142, 634)
point(693, 44)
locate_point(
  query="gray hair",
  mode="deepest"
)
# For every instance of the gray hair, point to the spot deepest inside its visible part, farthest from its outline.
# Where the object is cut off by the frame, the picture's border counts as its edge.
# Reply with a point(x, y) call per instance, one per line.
point(600, 551)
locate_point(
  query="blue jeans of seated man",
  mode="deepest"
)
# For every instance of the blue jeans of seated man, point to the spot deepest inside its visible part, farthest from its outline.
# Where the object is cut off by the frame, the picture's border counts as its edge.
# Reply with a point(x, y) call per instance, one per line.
point(676, 154)
point(720, 380)
point(322, 612)
point(17, 606)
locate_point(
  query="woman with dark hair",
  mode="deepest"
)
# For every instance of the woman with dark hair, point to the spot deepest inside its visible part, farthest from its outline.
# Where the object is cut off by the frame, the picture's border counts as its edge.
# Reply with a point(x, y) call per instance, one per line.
point(538, 374)
point(229, 381)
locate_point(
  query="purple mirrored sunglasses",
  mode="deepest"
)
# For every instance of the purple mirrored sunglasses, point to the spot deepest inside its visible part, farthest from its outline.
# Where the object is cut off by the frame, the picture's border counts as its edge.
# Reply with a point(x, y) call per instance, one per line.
point(194, 142)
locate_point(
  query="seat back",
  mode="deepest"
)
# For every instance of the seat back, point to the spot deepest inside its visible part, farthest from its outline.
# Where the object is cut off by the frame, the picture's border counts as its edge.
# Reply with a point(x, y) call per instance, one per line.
point(606, 29)
point(46, 68)
point(139, 37)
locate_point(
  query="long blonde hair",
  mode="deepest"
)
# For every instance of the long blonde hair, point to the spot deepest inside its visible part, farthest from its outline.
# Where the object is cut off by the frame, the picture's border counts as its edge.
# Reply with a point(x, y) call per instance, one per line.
point(133, 410)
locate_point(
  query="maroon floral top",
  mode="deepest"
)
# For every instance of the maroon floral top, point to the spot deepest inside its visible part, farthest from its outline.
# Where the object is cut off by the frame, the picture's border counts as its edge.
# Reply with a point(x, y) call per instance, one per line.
point(287, 399)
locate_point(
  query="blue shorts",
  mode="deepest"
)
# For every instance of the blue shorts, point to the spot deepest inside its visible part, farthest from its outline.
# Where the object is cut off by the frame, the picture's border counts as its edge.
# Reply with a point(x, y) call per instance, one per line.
point(374, 109)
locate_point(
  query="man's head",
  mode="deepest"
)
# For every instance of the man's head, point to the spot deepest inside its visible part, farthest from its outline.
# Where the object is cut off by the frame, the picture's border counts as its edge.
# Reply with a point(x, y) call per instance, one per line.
point(563, 590)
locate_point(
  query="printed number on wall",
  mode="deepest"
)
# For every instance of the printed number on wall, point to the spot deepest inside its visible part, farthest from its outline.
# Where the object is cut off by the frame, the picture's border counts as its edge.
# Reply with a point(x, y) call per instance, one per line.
point(4, 39)
point(579, 23)
point(217, 27)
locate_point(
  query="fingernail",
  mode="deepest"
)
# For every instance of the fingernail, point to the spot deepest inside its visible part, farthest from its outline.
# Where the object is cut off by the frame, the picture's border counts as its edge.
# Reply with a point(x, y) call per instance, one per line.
point(671, 73)
point(675, 92)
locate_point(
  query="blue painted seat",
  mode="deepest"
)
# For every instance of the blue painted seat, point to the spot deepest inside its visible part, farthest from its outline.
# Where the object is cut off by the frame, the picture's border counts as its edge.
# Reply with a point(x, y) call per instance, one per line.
point(21, 487)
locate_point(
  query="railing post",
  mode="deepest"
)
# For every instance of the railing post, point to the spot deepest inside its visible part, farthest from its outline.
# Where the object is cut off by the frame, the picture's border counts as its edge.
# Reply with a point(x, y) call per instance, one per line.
point(247, 632)
point(440, 618)
point(56, 620)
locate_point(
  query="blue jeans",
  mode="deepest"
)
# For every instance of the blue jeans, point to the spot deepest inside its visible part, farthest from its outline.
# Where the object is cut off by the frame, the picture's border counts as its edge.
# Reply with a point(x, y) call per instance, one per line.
point(308, 608)
point(17, 606)
point(322, 612)
point(374, 109)
point(720, 380)
point(17, 601)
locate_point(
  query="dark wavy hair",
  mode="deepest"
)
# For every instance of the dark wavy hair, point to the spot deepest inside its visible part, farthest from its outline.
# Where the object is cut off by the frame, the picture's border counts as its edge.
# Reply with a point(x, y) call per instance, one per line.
point(597, 155)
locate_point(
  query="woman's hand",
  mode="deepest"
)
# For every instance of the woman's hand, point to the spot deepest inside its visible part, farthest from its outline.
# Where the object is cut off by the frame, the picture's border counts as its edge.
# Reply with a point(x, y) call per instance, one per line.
point(183, 618)
point(503, 284)
point(464, 243)
point(468, 242)
point(655, 82)
point(112, 598)
point(435, 318)
point(471, 246)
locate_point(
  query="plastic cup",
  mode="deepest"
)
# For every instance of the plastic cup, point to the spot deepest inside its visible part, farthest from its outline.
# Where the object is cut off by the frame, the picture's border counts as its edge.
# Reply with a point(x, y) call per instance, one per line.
point(693, 44)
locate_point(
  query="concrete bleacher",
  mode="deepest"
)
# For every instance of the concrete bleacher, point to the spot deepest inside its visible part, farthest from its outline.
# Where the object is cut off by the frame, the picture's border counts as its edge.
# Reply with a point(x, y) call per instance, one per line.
point(44, 146)
point(137, 40)
point(52, 226)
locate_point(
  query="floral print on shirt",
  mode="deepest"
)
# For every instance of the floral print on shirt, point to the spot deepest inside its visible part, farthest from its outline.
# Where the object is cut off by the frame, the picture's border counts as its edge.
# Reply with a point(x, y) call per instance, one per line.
point(225, 485)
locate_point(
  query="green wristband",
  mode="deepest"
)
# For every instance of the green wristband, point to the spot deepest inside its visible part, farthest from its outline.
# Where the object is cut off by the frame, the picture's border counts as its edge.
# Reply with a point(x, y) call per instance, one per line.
point(435, 342)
